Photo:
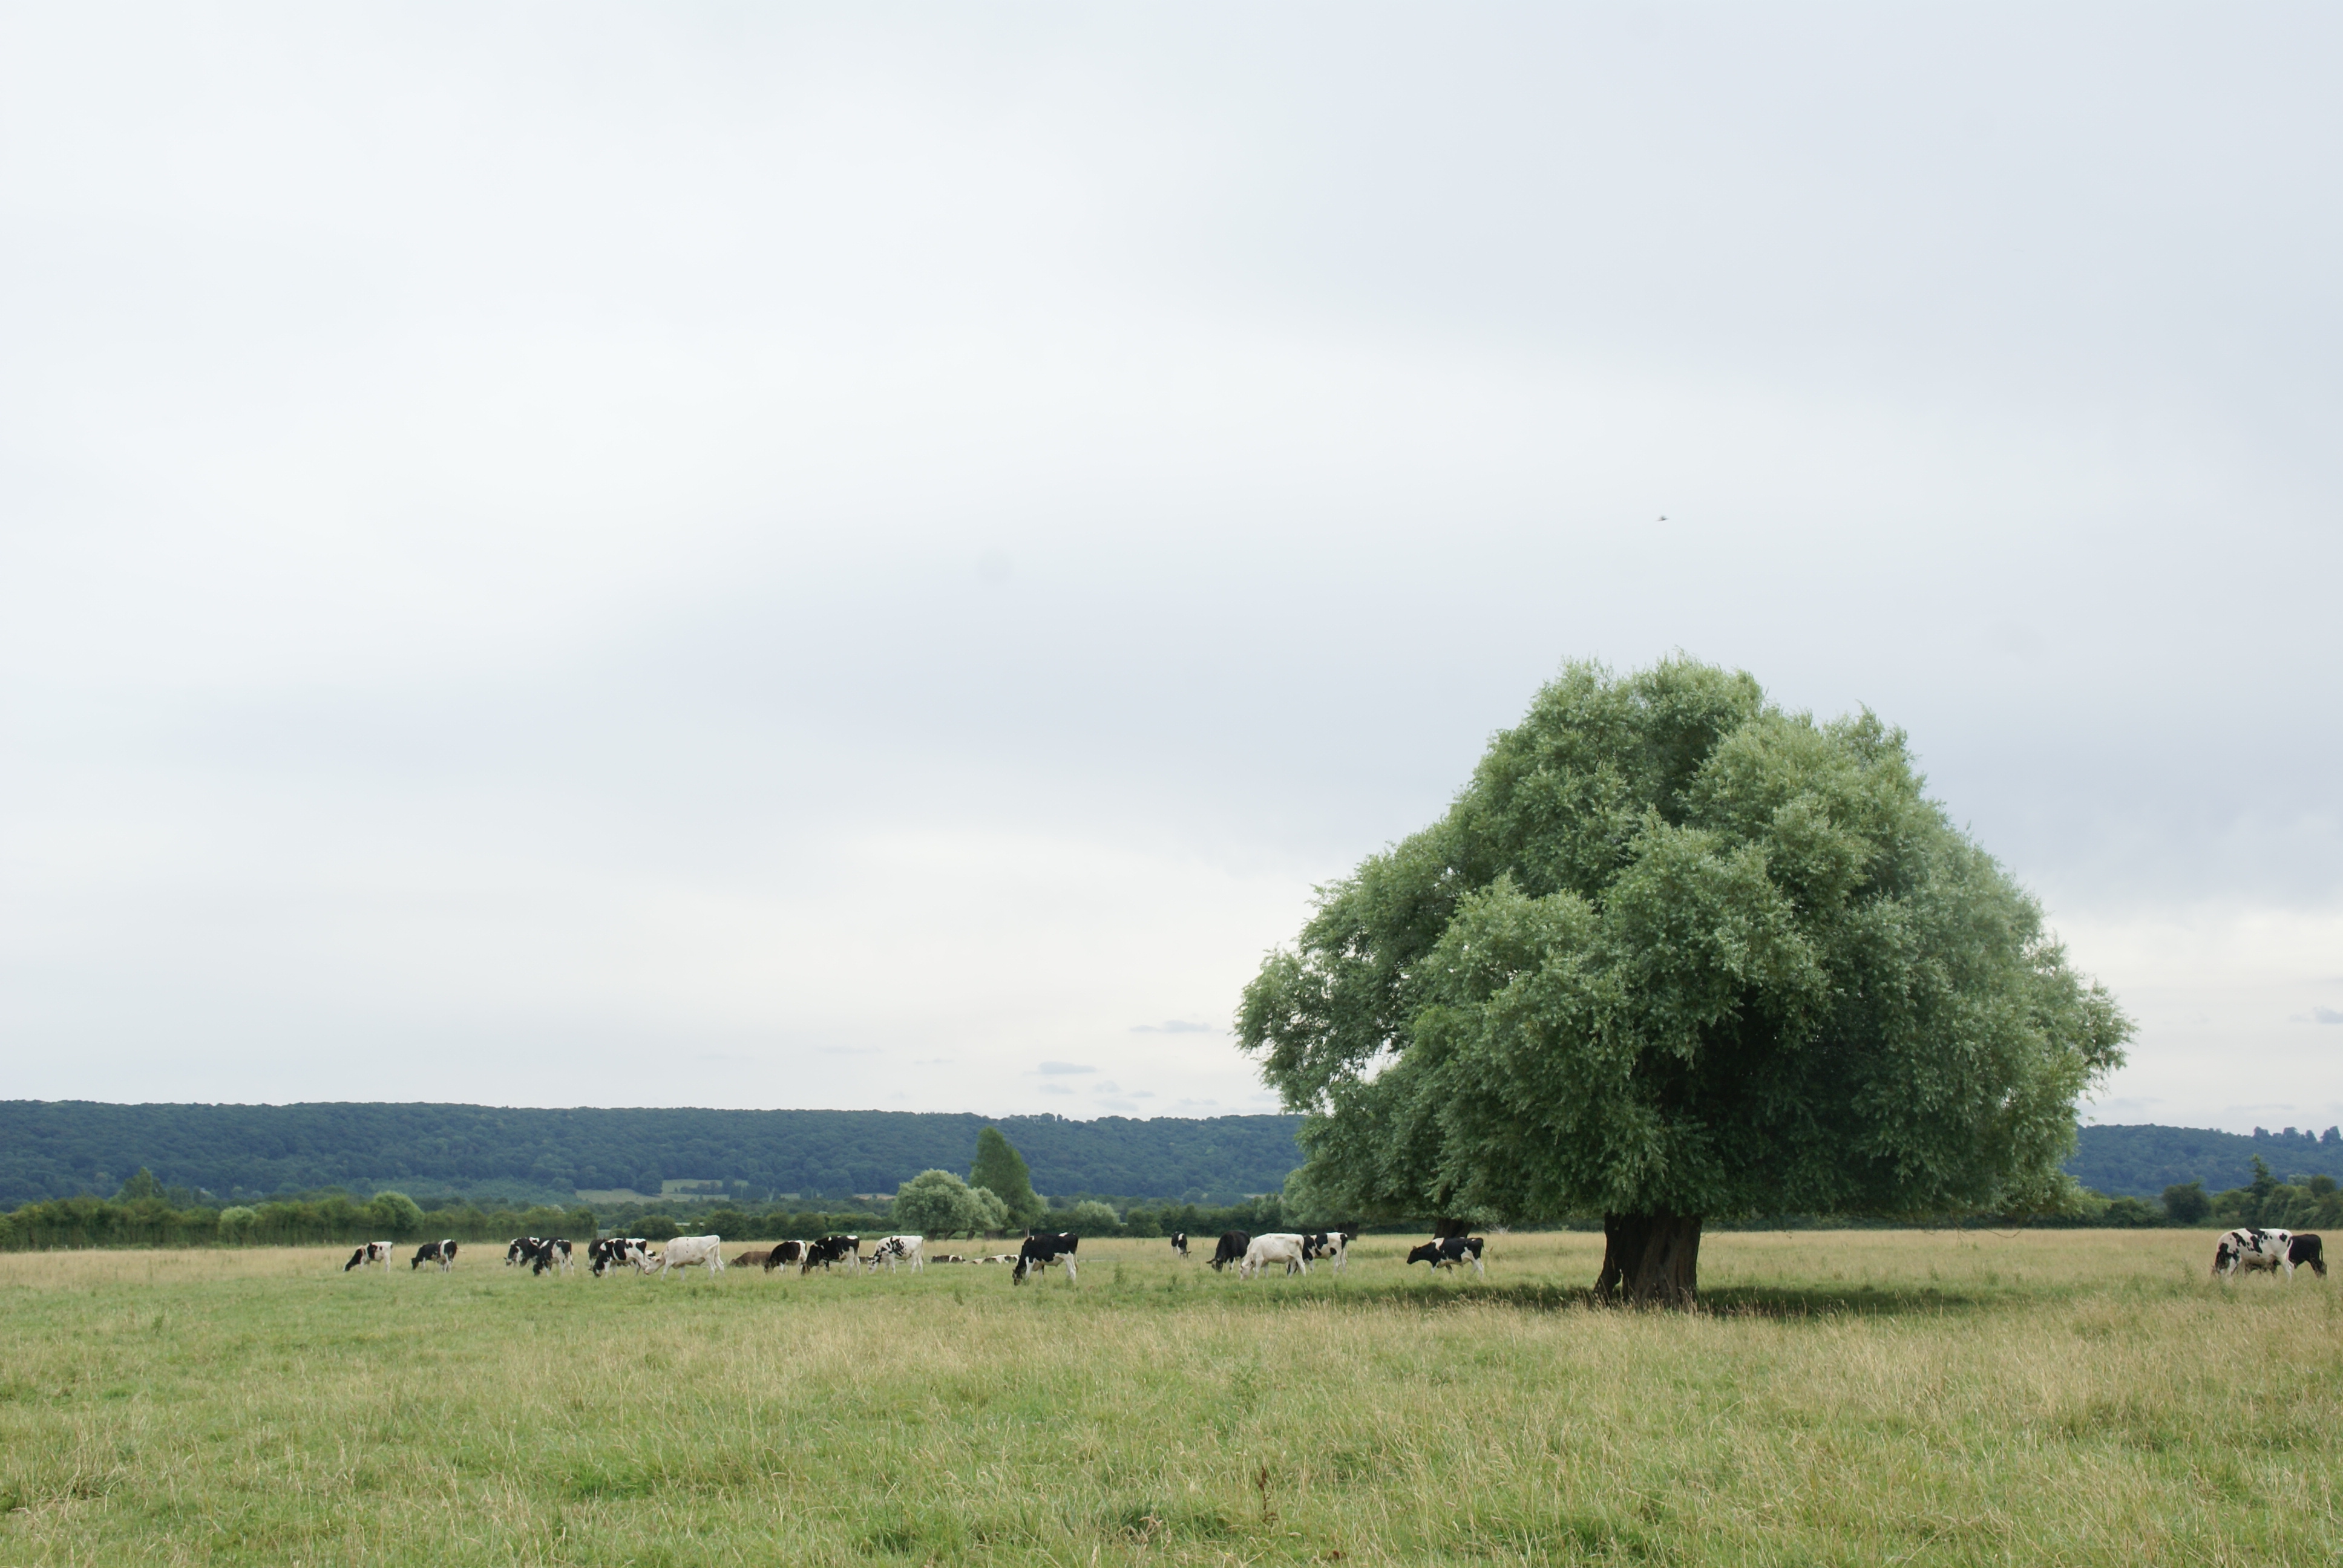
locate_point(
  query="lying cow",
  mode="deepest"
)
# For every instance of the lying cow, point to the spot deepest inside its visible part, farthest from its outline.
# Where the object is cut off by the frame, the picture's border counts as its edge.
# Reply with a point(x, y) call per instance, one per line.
point(370, 1253)
point(1451, 1251)
point(617, 1253)
point(1180, 1243)
point(830, 1250)
point(685, 1250)
point(893, 1249)
point(1231, 1249)
point(1043, 1248)
point(1277, 1247)
point(2250, 1248)
point(440, 1252)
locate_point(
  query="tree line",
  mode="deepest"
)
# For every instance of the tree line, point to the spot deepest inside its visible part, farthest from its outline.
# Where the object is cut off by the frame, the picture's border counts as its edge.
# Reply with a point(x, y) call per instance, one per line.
point(245, 1153)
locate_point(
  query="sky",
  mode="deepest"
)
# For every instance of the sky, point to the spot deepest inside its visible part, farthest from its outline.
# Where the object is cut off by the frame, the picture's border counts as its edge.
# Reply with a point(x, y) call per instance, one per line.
point(764, 554)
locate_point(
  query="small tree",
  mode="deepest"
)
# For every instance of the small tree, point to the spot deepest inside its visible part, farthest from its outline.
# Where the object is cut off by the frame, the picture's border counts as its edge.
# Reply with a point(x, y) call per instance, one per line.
point(2186, 1204)
point(1675, 952)
point(236, 1223)
point(142, 1186)
point(1000, 1169)
point(394, 1214)
point(936, 1203)
point(1092, 1217)
point(991, 1213)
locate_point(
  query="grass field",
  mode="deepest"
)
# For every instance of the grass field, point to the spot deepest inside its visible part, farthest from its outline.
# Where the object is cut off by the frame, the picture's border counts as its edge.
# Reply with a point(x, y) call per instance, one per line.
point(1858, 1398)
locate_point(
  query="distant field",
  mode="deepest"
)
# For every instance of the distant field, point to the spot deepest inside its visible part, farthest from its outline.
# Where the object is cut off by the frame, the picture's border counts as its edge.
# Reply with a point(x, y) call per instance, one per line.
point(1849, 1398)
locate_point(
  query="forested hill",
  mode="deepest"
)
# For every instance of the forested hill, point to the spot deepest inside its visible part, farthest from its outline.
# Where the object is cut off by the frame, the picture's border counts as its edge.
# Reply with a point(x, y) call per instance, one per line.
point(2141, 1162)
point(56, 1148)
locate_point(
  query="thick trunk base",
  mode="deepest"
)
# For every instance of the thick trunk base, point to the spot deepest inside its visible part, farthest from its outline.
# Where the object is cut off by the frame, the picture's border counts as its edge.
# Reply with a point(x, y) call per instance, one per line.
point(1650, 1260)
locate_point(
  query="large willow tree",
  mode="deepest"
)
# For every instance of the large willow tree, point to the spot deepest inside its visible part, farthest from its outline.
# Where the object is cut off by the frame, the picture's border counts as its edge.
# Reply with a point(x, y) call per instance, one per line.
point(1674, 954)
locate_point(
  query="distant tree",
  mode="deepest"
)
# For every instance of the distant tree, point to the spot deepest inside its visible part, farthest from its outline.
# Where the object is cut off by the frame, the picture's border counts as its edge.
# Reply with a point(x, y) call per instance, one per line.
point(2186, 1204)
point(991, 1213)
point(143, 1185)
point(936, 1203)
point(1001, 1170)
point(2264, 1184)
point(1675, 952)
point(236, 1223)
point(658, 1228)
point(394, 1214)
point(1092, 1217)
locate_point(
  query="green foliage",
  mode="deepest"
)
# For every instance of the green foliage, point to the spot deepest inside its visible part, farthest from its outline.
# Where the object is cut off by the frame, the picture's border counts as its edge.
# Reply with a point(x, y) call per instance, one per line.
point(1092, 1218)
point(939, 1203)
point(2144, 1159)
point(1001, 1170)
point(2186, 1204)
point(394, 1214)
point(505, 1156)
point(142, 1186)
point(236, 1223)
point(1674, 951)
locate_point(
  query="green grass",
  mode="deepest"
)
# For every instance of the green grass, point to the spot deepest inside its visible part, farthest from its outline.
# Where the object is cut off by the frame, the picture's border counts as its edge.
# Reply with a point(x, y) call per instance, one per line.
point(1857, 1398)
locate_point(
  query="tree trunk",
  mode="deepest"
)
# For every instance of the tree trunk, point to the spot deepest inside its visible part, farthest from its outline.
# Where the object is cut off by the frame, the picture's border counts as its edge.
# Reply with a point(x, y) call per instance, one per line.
point(1651, 1259)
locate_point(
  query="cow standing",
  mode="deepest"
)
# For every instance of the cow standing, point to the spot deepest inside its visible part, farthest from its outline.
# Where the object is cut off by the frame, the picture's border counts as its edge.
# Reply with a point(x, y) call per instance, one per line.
point(1180, 1243)
point(893, 1250)
point(617, 1252)
point(521, 1248)
point(2250, 1249)
point(440, 1252)
point(1043, 1248)
point(683, 1251)
point(1277, 1247)
point(370, 1253)
point(1230, 1248)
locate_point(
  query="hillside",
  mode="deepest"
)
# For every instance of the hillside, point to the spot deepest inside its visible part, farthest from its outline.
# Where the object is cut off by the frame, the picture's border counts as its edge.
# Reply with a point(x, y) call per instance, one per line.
point(55, 1149)
point(2143, 1161)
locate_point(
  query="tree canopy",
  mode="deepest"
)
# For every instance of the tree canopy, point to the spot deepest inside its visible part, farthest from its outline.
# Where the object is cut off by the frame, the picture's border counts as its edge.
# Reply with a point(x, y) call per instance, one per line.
point(1676, 952)
point(1001, 1169)
point(939, 1203)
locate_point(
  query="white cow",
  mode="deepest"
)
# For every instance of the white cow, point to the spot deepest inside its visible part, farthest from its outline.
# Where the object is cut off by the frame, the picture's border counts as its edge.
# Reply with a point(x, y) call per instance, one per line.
point(893, 1250)
point(1278, 1247)
point(686, 1250)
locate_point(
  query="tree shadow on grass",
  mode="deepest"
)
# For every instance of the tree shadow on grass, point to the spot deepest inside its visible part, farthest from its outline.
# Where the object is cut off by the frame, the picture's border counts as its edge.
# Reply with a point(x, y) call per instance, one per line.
point(1772, 1302)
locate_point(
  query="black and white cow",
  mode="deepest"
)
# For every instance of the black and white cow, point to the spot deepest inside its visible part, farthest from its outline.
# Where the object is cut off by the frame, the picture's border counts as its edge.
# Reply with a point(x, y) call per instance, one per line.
point(1451, 1251)
point(1043, 1248)
point(786, 1253)
point(2250, 1248)
point(1231, 1249)
point(440, 1252)
point(828, 1250)
point(370, 1253)
point(893, 1249)
point(521, 1248)
point(617, 1252)
point(1334, 1244)
point(1180, 1243)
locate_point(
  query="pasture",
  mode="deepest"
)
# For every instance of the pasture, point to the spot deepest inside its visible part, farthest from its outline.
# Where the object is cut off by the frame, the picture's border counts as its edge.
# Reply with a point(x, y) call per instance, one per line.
point(1844, 1398)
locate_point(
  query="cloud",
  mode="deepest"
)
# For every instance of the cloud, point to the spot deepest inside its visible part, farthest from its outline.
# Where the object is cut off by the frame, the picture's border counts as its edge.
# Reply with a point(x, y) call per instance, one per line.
point(2326, 1015)
point(1106, 1086)
point(1056, 1088)
point(1124, 1105)
point(1175, 1026)
point(1057, 1069)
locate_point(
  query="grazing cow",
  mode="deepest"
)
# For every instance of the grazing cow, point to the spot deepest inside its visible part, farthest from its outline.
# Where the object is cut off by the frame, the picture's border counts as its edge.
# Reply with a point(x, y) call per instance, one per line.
point(1230, 1250)
point(830, 1250)
point(786, 1253)
point(1277, 1247)
point(543, 1254)
point(1449, 1252)
point(1180, 1243)
point(893, 1250)
point(440, 1252)
point(369, 1252)
point(521, 1248)
point(685, 1250)
point(1043, 1248)
point(617, 1251)
point(2250, 1249)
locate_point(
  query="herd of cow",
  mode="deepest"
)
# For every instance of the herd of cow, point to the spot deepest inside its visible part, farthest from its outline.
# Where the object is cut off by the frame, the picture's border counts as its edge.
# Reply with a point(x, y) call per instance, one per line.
point(1292, 1251)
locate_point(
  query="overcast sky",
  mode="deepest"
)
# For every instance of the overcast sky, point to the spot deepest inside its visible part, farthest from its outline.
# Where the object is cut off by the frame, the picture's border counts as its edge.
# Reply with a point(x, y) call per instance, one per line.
point(872, 556)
